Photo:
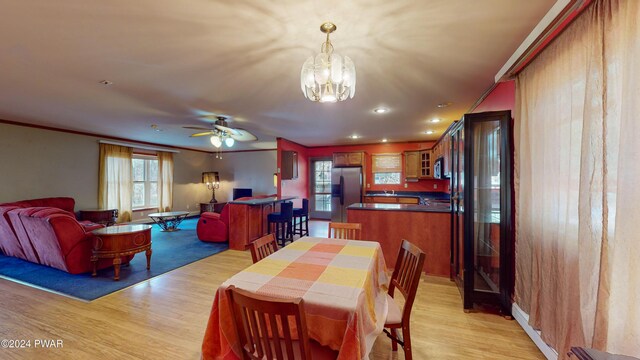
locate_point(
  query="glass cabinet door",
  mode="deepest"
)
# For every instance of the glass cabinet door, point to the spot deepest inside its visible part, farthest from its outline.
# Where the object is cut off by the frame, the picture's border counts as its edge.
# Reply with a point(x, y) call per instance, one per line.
point(486, 205)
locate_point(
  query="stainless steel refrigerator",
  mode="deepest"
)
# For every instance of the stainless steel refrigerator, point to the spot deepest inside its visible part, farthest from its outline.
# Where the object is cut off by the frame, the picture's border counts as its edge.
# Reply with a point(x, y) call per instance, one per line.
point(346, 189)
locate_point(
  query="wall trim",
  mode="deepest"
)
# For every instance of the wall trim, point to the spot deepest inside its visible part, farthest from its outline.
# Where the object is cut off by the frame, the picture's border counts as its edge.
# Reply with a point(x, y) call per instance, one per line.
point(84, 133)
point(523, 319)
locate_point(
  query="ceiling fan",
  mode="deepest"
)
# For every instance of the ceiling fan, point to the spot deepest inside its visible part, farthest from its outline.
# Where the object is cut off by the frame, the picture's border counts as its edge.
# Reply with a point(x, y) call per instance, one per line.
point(222, 132)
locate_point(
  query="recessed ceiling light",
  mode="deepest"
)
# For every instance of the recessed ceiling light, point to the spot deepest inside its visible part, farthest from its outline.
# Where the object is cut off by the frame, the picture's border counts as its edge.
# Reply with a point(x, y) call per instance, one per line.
point(380, 110)
point(444, 104)
point(354, 136)
point(384, 140)
point(429, 132)
point(435, 120)
point(106, 82)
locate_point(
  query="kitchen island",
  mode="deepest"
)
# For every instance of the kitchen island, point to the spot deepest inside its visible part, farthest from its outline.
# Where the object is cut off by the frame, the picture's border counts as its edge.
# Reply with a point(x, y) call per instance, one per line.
point(248, 219)
point(426, 226)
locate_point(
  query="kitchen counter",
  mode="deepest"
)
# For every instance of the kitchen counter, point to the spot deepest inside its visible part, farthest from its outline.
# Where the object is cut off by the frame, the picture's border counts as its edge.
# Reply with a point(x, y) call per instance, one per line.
point(262, 201)
point(426, 226)
point(431, 207)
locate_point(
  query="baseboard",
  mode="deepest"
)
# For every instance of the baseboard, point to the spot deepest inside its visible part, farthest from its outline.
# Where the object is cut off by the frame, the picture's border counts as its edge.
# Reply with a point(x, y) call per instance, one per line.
point(147, 220)
point(523, 319)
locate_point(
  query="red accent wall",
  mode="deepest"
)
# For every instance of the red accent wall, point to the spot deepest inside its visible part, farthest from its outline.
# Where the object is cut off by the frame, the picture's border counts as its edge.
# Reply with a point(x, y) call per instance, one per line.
point(296, 187)
point(300, 187)
point(502, 97)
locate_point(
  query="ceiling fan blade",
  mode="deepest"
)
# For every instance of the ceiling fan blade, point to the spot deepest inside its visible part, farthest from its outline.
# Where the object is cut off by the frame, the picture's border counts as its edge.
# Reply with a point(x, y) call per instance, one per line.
point(196, 128)
point(224, 128)
point(205, 133)
point(243, 135)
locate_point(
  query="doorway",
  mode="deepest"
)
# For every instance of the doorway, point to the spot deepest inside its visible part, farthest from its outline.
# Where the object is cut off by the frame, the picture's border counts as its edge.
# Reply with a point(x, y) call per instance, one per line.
point(320, 199)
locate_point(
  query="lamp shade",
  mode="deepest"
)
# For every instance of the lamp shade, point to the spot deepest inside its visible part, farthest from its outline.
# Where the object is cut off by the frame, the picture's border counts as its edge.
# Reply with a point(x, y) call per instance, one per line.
point(211, 178)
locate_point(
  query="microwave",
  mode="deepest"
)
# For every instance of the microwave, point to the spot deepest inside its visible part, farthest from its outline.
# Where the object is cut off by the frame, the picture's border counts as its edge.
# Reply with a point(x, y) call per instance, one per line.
point(438, 168)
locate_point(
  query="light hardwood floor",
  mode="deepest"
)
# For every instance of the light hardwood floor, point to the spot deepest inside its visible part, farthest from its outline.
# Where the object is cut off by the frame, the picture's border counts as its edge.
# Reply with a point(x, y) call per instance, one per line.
point(165, 318)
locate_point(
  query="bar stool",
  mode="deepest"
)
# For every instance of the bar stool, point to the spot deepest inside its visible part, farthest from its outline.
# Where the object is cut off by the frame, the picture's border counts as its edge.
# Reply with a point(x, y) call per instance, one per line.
point(300, 214)
point(283, 221)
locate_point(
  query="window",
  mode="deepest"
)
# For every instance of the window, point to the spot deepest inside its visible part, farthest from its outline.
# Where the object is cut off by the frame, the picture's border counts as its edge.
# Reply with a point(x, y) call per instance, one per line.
point(145, 181)
point(322, 185)
point(387, 169)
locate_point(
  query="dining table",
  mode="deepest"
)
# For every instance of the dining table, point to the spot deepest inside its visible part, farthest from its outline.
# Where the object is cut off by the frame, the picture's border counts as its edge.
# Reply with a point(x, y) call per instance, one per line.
point(342, 282)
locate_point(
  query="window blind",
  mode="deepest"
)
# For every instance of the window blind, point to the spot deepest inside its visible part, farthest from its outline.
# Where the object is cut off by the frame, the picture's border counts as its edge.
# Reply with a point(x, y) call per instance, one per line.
point(387, 163)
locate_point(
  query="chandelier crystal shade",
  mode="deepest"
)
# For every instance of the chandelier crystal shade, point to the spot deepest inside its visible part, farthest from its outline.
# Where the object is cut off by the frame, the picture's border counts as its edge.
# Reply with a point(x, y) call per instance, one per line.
point(328, 77)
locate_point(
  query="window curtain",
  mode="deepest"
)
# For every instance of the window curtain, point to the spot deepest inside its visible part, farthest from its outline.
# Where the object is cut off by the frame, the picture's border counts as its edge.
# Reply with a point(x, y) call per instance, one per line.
point(115, 185)
point(578, 208)
point(165, 181)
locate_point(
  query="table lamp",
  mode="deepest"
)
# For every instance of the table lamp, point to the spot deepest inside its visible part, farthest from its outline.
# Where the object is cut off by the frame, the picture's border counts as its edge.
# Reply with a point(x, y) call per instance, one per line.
point(212, 179)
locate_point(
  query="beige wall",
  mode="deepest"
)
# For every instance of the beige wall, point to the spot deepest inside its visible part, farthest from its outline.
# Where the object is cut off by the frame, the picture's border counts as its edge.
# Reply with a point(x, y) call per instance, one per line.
point(246, 170)
point(37, 163)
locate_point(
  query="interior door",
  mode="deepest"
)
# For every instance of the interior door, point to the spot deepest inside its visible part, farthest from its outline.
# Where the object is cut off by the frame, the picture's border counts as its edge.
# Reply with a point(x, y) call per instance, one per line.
point(320, 199)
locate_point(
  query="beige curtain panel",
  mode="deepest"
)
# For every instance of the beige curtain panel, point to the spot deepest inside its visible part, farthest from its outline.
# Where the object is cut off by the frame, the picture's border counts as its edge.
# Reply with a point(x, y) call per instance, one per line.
point(115, 184)
point(165, 181)
point(578, 214)
point(386, 163)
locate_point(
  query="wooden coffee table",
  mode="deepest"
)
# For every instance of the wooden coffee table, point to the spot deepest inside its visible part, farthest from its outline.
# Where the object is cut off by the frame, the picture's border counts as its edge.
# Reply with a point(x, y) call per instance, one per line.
point(118, 241)
point(169, 221)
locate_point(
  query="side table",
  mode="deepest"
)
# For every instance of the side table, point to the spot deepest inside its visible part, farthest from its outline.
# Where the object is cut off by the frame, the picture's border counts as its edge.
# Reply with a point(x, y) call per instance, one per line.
point(105, 217)
point(118, 241)
point(212, 207)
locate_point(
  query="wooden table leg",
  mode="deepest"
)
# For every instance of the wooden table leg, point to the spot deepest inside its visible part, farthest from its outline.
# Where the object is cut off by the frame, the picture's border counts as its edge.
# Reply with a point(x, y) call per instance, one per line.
point(148, 253)
point(94, 260)
point(116, 267)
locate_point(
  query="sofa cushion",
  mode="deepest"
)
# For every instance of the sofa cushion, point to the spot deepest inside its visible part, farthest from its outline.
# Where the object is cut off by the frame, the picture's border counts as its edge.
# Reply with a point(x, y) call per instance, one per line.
point(64, 203)
point(9, 243)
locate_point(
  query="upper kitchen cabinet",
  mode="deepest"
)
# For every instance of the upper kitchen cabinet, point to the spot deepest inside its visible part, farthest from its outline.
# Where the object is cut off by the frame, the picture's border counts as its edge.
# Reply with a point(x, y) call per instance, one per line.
point(345, 159)
point(426, 164)
point(289, 166)
point(411, 165)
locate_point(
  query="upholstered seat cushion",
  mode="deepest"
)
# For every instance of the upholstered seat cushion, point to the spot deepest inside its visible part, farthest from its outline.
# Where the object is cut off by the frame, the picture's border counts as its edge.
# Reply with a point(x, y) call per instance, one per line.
point(394, 312)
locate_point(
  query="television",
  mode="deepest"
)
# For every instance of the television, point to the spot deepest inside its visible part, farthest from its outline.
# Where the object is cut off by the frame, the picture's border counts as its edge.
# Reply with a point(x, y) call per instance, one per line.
point(240, 193)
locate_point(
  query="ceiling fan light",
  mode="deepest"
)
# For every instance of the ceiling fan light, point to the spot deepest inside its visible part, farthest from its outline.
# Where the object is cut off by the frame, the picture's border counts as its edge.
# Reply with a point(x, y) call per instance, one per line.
point(216, 141)
point(229, 141)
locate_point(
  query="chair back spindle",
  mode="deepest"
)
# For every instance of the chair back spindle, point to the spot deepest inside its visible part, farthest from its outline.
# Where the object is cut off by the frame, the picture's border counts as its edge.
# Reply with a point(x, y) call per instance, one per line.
point(347, 231)
point(263, 247)
point(263, 326)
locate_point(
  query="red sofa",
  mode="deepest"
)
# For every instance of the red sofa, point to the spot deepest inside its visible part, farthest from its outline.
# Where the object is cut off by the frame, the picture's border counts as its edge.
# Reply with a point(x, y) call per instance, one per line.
point(45, 231)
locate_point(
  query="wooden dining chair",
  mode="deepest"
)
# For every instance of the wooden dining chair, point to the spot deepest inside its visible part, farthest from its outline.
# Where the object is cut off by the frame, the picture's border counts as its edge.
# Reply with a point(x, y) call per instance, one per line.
point(264, 328)
point(405, 278)
point(347, 231)
point(263, 247)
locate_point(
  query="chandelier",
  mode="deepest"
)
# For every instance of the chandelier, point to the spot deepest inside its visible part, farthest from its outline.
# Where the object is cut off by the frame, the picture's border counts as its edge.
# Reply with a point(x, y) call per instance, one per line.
point(328, 77)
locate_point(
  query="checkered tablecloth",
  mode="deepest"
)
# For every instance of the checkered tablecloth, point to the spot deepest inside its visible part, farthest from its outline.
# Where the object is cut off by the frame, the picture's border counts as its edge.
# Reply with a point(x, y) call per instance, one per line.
point(341, 281)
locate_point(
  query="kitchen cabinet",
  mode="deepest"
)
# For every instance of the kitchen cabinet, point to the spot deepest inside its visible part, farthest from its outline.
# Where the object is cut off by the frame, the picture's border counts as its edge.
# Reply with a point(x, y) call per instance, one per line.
point(426, 164)
point(346, 159)
point(385, 199)
point(411, 164)
point(289, 165)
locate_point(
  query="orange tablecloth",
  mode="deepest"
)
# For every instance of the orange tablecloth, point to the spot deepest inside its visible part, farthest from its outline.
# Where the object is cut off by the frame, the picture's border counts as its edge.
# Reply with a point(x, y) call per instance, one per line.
point(341, 281)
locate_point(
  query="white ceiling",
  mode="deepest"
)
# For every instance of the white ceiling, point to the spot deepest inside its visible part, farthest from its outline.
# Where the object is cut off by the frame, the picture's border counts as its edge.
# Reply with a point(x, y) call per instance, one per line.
point(172, 60)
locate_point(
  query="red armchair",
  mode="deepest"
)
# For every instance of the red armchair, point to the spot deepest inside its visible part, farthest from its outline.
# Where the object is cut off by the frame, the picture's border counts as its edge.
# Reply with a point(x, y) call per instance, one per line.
point(214, 227)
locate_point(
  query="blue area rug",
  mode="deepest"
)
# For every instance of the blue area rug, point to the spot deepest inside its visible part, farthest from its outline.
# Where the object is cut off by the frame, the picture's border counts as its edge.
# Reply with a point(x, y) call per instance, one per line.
point(171, 250)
